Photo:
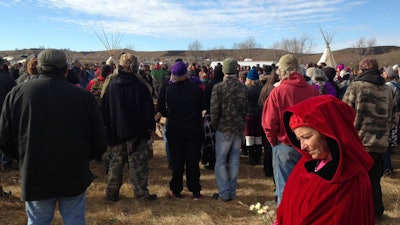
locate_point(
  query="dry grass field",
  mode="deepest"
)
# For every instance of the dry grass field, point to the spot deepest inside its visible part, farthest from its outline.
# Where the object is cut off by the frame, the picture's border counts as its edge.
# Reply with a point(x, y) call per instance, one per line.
point(253, 187)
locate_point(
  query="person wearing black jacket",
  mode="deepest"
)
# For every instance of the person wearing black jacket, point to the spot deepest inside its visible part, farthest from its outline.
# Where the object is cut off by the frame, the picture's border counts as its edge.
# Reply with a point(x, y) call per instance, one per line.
point(208, 148)
point(184, 102)
point(6, 84)
point(253, 130)
point(128, 112)
point(54, 129)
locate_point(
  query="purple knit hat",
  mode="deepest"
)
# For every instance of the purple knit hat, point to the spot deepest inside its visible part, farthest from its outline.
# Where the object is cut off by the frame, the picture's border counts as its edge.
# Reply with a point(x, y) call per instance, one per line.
point(179, 69)
point(340, 67)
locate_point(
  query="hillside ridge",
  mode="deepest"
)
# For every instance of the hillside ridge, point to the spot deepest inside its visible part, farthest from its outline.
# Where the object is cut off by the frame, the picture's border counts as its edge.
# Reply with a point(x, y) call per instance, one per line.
point(386, 55)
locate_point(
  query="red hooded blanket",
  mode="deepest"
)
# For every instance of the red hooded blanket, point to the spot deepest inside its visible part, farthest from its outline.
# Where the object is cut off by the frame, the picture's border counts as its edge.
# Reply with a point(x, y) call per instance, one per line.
point(346, 199)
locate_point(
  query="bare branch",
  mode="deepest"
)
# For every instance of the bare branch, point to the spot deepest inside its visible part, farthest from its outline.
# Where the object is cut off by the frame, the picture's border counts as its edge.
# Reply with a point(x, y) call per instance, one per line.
point(364, 47)
point(249, 45)
point(297, 46)
point(194, 52)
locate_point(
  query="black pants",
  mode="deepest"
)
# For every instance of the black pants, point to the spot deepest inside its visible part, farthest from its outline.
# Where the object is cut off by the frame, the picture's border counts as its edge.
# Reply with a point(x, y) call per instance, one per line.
point(375, 174)
point(185, 152)
point(268, 170)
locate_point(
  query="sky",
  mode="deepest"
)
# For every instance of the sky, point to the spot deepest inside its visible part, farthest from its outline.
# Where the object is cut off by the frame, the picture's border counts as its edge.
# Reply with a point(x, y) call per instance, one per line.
point(159, 25)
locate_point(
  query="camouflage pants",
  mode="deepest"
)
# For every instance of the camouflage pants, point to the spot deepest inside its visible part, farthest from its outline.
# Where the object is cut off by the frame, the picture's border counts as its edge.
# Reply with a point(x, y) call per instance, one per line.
point(136, 153)
point(107, 158)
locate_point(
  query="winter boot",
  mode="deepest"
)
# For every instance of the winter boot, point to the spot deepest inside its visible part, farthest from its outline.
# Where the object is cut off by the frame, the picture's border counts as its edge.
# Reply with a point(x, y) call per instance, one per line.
point(257, 153)
point(244, 151)
point(252, 155)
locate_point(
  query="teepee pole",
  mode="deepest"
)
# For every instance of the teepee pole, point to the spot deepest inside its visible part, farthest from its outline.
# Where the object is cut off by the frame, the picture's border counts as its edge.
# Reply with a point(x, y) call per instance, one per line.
point(110, 46)
point(327, 56)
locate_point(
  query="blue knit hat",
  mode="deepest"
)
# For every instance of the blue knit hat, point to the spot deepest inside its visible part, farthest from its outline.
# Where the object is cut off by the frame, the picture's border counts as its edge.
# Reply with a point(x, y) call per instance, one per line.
point(252, 74)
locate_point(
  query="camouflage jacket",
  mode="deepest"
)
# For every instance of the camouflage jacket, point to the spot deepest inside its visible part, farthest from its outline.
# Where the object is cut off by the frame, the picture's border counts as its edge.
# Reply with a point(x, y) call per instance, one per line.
point(228, 105)
point(375, 111)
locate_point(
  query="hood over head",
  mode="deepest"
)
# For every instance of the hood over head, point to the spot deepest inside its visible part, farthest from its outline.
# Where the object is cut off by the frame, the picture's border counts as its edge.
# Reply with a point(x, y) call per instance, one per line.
point(334, 119)
point(329, 72)
point(218, 74)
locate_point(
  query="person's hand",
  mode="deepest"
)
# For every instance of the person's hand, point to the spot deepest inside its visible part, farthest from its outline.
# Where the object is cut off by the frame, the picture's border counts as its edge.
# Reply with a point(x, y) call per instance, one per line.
point(157, 117)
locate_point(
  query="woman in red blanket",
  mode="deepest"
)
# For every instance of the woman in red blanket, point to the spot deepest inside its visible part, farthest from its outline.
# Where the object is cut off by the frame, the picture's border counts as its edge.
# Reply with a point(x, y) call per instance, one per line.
point(330, 184)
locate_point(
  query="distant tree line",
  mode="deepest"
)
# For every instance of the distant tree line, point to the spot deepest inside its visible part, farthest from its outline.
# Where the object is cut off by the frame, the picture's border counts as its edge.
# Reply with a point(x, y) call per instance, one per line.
point(300, 46)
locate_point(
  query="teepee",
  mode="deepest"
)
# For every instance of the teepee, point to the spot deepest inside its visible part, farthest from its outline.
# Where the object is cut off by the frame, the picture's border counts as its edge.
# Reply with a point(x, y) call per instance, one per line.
point(327, 56)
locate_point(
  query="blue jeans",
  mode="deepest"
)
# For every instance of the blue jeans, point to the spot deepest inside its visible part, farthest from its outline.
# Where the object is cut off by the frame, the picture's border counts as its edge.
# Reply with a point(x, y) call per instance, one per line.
point(284, 158)
point(166, 143)
point(5, 159)
point(226, 173)
point(387, 160)
point(72, 210)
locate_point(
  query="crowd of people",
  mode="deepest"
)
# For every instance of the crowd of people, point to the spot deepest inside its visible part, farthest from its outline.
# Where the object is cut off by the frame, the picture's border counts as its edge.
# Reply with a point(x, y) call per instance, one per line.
point(325, 134)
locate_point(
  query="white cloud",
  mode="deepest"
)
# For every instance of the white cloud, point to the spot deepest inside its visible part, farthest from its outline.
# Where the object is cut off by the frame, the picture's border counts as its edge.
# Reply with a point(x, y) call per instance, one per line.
point(194, 19)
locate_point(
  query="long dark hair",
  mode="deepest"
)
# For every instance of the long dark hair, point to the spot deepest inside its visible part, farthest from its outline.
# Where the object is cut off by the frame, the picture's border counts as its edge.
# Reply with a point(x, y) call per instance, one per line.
point(267, 88)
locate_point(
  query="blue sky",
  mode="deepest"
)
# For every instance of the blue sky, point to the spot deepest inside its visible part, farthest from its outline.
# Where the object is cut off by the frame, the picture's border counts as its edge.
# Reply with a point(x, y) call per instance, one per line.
point(156, 25)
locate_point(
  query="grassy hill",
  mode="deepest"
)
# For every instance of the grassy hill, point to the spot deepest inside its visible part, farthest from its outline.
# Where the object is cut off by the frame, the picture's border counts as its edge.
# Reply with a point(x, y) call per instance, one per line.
point(386, 55)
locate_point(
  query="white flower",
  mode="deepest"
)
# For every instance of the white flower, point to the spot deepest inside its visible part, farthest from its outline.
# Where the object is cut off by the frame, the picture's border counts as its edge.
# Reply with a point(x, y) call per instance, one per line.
point(264, 212)
point(252, 207)
point(258, 206)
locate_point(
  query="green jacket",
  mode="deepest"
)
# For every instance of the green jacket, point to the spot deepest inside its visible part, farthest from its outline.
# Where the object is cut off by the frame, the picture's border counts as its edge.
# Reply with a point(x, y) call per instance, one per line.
point(158, 74)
